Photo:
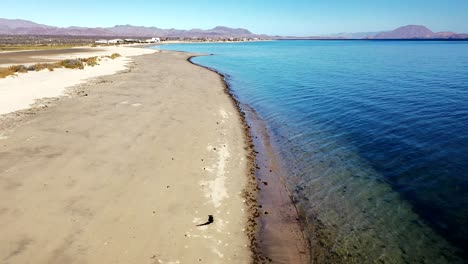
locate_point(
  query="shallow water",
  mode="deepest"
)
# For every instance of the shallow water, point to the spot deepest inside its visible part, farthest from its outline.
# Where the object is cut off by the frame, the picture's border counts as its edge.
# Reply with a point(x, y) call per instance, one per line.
point(374, 136)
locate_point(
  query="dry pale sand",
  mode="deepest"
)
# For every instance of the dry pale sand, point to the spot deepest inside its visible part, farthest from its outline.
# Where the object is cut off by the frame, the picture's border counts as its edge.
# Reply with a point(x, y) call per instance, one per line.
point(124, 50)
point(125, 170)
point(22, 90)
point(29, 57)
point(8, 58)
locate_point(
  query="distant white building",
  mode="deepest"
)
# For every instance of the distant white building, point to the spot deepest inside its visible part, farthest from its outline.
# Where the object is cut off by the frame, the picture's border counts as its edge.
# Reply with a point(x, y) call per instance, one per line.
point(153, 40)
point(115, 41)
point(101, 41)
point(132, 40)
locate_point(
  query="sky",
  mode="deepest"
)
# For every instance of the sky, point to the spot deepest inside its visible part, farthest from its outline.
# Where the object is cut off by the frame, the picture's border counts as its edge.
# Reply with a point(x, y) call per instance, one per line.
point(273, 17)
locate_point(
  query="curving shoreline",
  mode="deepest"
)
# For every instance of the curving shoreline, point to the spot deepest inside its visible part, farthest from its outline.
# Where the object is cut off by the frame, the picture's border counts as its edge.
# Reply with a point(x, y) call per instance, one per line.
point(250, 193)
point(264, 204)
point(278, 236)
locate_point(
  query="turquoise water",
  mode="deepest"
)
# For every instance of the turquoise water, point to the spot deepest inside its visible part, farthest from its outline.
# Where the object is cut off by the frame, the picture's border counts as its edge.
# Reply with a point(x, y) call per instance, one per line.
point(374, 136)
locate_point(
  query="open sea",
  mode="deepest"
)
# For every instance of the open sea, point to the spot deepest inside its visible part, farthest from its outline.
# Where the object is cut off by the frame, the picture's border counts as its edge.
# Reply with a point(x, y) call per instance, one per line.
point(373, 136)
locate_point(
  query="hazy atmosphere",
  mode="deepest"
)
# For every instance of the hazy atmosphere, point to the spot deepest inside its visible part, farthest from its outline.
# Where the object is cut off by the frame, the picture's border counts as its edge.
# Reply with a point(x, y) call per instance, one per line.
point(273, 17)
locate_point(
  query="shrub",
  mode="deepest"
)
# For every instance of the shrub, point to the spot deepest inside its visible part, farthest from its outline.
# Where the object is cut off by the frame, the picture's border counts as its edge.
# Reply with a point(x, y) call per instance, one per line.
point(115, 55)
point(41, 66)
point(4, 72)
point(71, 64)
point(18, 68)
point(92, 61)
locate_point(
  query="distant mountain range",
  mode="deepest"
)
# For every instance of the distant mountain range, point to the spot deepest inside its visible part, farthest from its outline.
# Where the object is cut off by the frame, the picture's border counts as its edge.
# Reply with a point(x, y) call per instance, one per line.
point(417, 32)
point(405, 32)
point(25, 27)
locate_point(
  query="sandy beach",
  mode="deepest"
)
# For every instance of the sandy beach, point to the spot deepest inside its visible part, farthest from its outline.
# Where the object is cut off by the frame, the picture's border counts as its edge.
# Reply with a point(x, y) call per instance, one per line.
point(125, 167)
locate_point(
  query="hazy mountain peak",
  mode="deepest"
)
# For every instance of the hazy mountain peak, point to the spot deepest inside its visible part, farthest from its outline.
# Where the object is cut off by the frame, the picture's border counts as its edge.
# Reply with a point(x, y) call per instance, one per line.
point(231, 30)
point(415, 29)
point(407, 32)
point(19, 23)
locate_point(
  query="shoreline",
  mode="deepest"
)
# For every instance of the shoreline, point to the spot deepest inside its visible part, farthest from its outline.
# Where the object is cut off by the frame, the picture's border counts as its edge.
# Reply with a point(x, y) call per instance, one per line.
point(281, 231)
point(263, 244)
point(279, 236)
point(251, 191)
point(99, 195)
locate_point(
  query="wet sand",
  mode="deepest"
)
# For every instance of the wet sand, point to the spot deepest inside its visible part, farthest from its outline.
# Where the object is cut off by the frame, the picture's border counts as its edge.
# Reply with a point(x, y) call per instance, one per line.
point(281, 238)
point(278, 231)
point(124, 170)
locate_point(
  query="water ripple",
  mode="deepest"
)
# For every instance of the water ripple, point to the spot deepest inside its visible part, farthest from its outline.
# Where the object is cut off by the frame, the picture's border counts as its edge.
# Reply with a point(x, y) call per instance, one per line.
point(374, 136)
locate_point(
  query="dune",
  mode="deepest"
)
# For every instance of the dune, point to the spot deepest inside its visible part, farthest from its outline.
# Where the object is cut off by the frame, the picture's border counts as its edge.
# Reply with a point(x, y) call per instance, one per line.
point(24, 89)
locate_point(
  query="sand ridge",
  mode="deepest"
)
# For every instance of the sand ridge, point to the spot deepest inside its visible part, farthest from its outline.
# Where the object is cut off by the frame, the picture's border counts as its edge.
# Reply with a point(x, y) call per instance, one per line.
point(21, 91)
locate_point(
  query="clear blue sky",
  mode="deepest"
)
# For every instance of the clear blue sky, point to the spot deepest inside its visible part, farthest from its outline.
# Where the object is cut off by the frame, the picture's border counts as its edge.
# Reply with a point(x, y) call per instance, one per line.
point(282, 17)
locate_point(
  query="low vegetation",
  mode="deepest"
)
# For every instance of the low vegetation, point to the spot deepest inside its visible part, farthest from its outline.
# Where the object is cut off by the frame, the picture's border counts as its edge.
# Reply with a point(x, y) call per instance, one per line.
point(115, 55)
point(18, 68)
point(40, 67)
point(92, 61)
point(4, 72)
point(71, 64)
point(68, 64)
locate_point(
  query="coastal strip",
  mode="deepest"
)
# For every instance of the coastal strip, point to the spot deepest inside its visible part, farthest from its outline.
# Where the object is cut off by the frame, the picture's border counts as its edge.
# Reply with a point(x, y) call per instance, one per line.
point(281, 229)
point(149, 165)
point(278, 236)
